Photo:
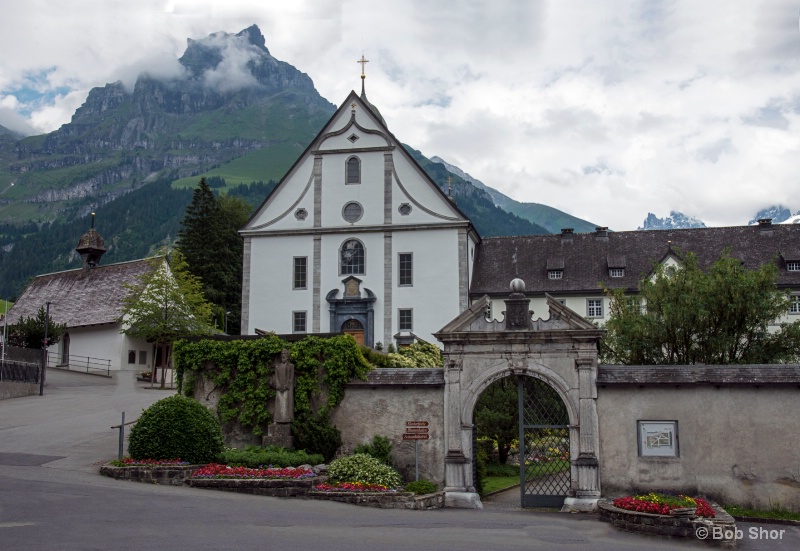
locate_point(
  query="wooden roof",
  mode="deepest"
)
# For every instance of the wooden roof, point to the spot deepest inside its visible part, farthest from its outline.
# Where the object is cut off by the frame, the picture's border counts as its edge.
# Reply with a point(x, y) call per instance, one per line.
point(585, 258)
point(80, 297)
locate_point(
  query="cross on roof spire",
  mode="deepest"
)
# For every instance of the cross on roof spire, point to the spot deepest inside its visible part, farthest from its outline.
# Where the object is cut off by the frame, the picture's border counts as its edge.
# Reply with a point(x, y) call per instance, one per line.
point(363, 61)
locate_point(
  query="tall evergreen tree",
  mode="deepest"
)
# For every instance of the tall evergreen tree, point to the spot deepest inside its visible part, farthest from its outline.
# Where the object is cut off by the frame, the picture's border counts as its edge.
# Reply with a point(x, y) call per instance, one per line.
point(213, 249)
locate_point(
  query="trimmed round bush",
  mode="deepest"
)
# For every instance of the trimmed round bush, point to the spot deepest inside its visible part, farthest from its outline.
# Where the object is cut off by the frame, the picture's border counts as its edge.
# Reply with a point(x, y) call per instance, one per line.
point(176, 428)
point(363, 468)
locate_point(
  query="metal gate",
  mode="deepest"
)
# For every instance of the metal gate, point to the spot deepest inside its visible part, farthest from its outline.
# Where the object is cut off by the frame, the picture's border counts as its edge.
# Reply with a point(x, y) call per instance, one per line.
point(544, 464)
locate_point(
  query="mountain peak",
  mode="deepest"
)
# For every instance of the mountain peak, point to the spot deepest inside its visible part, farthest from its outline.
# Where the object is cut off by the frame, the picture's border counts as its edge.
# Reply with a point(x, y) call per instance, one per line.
point(254, 37)
point(675, 221)
point(207, 54)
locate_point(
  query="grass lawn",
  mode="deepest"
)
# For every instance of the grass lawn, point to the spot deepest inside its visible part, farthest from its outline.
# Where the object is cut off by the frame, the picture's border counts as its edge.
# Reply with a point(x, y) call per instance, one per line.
point(3, 305)
point(736, 511)
point(495, 483)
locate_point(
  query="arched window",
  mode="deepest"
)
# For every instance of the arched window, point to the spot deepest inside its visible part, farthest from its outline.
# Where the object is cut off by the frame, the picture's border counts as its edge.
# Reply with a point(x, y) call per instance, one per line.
point(352, 258)
point(353, 171)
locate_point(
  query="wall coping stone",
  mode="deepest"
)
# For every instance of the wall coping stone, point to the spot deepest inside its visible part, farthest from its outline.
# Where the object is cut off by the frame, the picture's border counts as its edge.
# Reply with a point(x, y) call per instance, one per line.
point(721, 375)
point(402, 376)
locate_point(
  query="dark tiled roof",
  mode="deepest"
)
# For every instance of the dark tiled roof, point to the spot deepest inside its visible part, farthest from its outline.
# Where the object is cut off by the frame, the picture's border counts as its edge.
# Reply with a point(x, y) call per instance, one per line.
point(587, 257)
point(400, 377)
point(80, 297)
point(698, 374)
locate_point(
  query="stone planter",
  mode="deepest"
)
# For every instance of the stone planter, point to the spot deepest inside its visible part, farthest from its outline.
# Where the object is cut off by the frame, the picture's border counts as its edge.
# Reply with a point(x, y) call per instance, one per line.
point(173, 475)
point(684, 512)
point(383, 500)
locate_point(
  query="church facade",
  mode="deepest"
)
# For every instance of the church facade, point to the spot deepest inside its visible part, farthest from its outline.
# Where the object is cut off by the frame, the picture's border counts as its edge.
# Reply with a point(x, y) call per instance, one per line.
point(356, 238)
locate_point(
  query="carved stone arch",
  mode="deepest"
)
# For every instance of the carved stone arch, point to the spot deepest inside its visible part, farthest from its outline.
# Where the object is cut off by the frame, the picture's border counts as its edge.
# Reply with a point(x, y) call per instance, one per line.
point(537, 371)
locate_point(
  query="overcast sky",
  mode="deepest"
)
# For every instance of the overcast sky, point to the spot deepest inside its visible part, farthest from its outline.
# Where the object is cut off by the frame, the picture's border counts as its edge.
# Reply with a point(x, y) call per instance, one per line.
point(606, 110)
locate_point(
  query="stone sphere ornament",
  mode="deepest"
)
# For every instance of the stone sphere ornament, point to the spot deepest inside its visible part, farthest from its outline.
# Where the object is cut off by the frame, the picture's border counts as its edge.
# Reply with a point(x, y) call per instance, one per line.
point(517, 285)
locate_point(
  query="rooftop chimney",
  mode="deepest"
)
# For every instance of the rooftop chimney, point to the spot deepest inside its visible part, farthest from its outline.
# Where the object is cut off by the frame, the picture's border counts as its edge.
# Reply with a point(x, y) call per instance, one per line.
point(601, 231)
point(765, 225)
point(566, 233)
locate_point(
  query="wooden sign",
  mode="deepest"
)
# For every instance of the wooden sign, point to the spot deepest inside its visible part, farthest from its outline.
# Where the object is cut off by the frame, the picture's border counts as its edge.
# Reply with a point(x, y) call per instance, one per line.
point(416, 429)
point(416, 423)
point(415, 436)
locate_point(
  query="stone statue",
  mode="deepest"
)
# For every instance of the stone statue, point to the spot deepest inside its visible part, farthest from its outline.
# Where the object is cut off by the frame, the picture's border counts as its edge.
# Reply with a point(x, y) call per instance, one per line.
point(284, 386)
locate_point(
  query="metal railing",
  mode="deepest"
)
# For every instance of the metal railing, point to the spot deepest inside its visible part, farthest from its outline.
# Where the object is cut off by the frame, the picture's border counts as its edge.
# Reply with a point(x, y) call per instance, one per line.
point(19, 372)
point(84, 364)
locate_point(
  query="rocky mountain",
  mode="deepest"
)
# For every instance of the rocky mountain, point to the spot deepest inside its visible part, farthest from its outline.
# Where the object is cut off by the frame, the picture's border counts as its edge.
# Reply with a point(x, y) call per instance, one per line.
point(552, 219)
point(675, 220)
point(778, 214)
point(229, 97)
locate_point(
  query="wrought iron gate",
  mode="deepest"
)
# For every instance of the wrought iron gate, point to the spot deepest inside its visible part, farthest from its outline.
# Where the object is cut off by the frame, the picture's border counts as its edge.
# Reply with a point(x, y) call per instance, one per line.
point(544, 464)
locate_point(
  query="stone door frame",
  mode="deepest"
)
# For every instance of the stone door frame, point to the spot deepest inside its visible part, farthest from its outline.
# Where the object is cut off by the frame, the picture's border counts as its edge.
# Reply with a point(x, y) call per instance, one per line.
point(561, 351)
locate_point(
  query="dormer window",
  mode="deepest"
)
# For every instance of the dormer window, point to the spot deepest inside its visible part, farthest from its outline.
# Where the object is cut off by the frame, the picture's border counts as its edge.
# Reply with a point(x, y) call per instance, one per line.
point(793, 266)
point(616, 272)
point(555, 274)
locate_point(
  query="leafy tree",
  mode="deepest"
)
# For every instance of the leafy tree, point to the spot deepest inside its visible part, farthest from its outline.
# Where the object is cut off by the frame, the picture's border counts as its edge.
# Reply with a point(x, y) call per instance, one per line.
point(213, 249)
point(29, 332)
point(166, 303)
point(684, 315)
point(497, 415)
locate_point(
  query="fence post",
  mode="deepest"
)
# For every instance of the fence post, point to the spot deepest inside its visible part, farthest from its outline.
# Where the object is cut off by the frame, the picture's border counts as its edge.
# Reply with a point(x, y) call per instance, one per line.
point(121, 436)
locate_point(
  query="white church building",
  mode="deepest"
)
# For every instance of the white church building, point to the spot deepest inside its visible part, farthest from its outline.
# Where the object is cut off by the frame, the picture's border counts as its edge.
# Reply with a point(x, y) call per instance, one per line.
point(356, 238)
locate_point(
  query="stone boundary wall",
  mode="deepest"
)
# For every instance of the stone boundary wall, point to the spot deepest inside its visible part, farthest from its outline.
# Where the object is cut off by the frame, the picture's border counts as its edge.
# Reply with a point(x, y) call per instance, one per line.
point(172, 475)
point(262, 487)
point(736, 442)
point(663, 525)
point(9, 389)
point(384, 500)
point(383, 404)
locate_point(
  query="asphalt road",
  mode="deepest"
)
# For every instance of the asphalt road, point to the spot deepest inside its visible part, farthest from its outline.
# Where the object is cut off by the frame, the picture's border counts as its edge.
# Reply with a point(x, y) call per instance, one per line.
point(52, 497)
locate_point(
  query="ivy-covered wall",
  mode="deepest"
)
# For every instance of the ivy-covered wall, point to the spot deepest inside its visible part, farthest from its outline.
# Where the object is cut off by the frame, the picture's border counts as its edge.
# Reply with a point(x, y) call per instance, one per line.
point(234, 376)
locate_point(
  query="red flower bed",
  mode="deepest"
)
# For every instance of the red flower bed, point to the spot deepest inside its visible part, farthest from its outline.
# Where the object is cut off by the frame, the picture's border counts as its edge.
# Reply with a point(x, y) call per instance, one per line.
point(129, 462)
point(660, 504)
point(214, 470)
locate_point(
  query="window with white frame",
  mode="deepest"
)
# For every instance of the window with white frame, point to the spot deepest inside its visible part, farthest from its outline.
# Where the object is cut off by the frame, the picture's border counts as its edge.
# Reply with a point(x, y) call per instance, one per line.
point(555, 274)
point(353, 170)
point(405, 266)
point(300, 279)
point(594, 308)
point(405, 319)
point(793, 266)
point(352, 258)
point(616, 272)
point(794, 305)
point(298, 322)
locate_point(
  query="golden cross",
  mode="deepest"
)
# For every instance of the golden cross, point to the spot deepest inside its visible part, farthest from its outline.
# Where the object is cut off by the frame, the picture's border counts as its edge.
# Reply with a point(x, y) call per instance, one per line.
point(449, 186)
point(353, 105)
point(363, 62)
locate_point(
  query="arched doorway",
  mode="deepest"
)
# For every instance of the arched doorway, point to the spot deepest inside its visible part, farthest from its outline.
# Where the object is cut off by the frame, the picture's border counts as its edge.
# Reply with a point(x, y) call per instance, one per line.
point(65, 349)
point(355, 329)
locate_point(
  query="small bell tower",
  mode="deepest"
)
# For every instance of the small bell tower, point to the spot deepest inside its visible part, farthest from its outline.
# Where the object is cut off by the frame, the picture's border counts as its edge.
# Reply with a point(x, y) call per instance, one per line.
point(91, 247)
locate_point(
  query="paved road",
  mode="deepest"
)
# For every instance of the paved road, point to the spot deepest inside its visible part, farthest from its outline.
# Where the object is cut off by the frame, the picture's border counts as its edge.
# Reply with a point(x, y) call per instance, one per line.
point(51, 497)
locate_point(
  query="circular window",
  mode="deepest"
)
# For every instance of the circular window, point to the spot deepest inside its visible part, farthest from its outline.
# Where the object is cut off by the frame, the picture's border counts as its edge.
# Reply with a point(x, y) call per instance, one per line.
point(404, 209)
point(301, 214)
point(352, 212)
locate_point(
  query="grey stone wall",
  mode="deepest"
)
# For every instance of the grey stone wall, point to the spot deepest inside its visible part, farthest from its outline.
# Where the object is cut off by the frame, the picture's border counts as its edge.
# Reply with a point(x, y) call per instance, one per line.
point(383, 408)
point(9, 389)
point(738, 444)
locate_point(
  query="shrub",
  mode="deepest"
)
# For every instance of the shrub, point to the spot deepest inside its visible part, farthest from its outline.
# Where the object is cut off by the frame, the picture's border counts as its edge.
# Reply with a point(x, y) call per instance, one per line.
point(501, 469)
point(363, 468)
point(481, 470)
point(421, 487)
point(176, 428)
point(316, 435)
point(255, 457)
point(380, 449)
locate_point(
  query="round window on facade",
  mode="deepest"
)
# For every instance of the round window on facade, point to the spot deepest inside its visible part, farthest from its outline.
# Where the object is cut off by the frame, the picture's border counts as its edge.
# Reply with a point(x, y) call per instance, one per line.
point(404, 209)
point(352, 212)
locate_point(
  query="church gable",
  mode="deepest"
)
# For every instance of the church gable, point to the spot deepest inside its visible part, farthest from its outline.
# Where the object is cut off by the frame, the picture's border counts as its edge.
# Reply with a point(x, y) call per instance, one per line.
point(355, 173)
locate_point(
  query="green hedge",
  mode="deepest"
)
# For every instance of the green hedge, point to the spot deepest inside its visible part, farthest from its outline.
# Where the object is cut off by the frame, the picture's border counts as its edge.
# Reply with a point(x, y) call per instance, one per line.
point(277, 457)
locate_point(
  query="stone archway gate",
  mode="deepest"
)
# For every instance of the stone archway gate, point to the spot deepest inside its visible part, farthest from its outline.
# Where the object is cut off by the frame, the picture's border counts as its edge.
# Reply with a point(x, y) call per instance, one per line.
point(561, 352)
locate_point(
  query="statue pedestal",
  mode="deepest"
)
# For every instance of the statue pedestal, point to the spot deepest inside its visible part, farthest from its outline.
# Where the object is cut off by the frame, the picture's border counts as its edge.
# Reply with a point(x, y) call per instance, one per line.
point(278, 434)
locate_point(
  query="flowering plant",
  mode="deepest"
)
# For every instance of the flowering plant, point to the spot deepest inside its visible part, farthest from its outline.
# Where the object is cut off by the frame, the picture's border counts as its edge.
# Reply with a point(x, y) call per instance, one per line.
point(662, 503)
point(130, 462)
point(215, 470)
point(352, 487)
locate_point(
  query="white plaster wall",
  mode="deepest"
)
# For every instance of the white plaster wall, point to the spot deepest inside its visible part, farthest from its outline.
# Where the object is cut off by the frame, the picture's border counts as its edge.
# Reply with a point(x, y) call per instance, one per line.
point(417, 186)
point(272, 299)
point(736, 444)
point(434, 295)
point(539, 306)
point(282, 202)
point(335, 193)
point(102, 343)
point(343, 121)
